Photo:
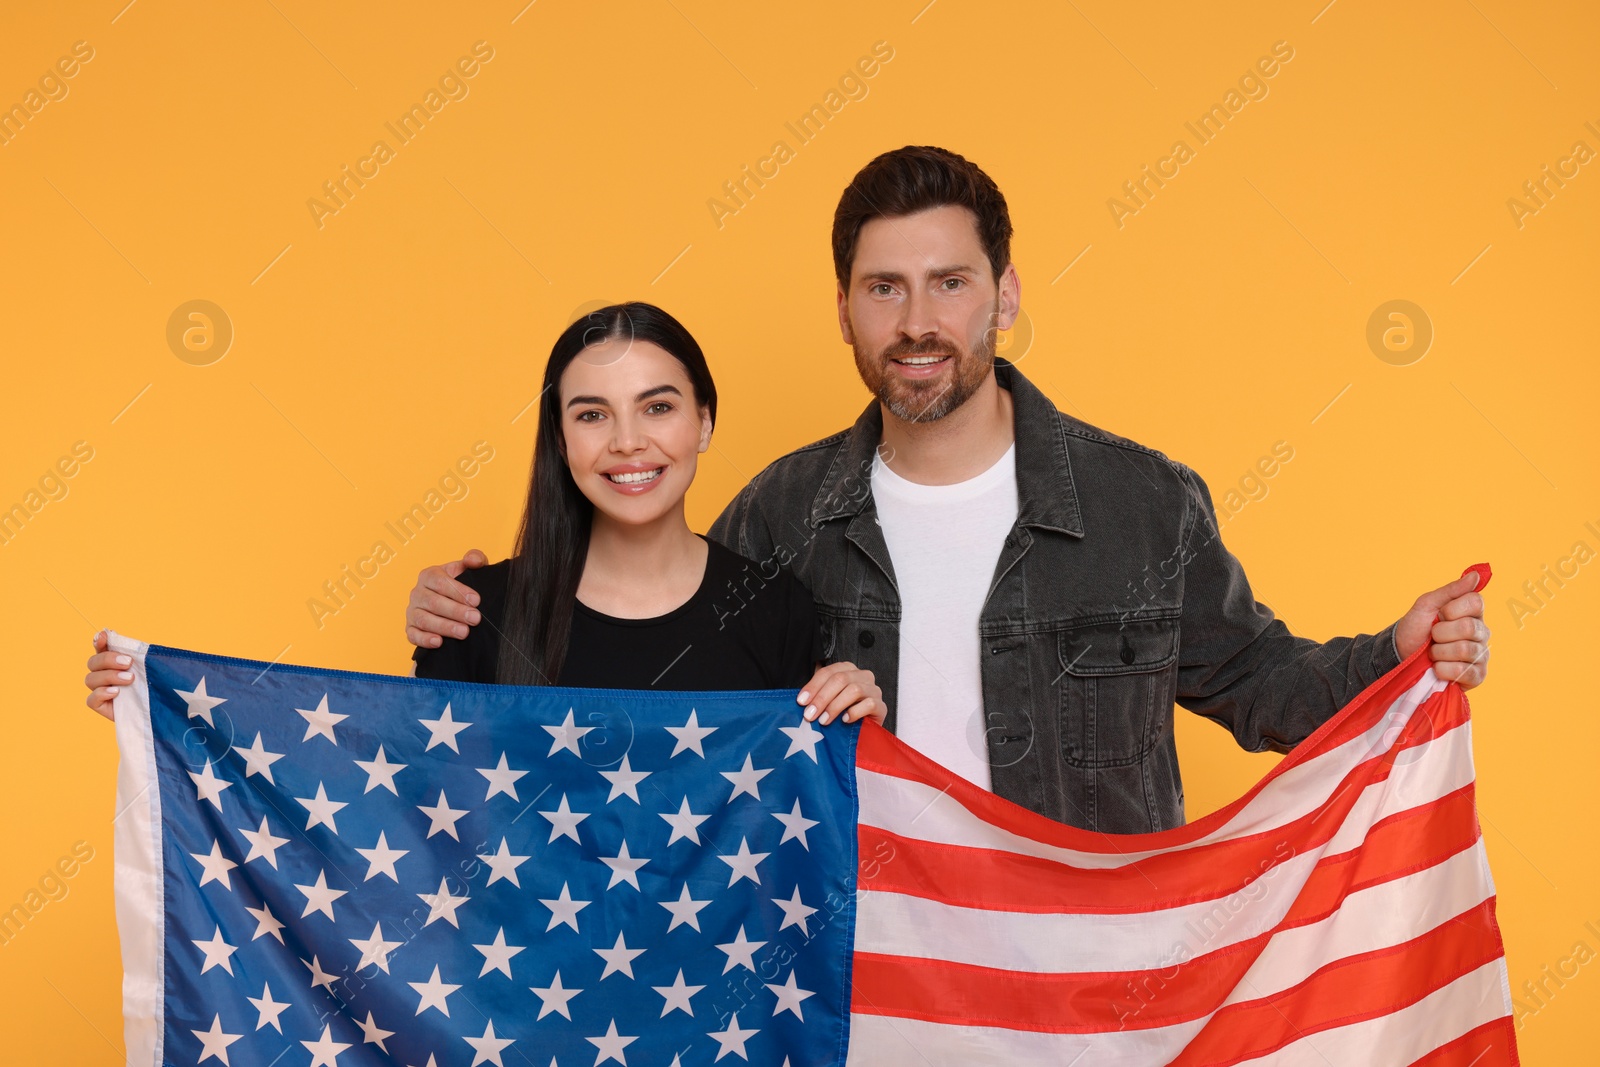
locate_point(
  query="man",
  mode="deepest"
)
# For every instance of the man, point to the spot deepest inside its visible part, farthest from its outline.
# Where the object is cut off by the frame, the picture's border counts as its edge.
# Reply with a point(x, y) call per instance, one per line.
point(1033, 593)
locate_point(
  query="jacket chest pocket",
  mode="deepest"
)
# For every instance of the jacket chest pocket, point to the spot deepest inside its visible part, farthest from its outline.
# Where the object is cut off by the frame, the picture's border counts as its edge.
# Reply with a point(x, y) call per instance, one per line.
point(1117, 682)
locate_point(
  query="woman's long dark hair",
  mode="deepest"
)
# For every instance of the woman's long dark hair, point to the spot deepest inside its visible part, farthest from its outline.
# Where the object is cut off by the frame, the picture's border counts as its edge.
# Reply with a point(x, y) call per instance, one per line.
point(553, 538)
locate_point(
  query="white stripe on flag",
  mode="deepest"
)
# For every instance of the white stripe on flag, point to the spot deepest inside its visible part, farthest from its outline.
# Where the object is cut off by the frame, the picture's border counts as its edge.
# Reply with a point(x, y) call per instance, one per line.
point(893, 924)
point(1393, 1040)
point(138, 872)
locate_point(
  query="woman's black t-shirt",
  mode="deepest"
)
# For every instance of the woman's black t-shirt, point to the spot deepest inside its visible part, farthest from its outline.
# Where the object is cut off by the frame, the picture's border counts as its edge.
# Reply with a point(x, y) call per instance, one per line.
point(742, 629)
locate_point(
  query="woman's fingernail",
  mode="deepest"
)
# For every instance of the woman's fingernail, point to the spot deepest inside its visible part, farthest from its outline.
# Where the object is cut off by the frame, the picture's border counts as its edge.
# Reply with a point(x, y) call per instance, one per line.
point(474, 618)
point(811, 713)
point(113, 691)
point(125, 676)
point(826, 719)
point(123, 661)
point(805, 695)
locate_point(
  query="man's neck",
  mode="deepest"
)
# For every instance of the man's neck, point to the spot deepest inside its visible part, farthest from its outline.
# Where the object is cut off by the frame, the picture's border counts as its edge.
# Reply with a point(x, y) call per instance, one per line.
point(962, 445)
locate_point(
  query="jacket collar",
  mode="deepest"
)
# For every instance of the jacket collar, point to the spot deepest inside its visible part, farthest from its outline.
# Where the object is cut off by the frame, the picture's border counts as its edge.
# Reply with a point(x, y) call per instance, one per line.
point(1046, 495)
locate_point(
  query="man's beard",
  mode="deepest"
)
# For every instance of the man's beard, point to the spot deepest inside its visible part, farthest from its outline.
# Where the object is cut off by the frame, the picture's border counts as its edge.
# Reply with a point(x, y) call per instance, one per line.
point(914, 400)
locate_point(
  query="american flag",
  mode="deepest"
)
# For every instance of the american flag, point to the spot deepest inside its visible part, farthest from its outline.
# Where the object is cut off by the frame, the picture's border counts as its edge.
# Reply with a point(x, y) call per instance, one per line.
point(331, 868)
point(327, 868)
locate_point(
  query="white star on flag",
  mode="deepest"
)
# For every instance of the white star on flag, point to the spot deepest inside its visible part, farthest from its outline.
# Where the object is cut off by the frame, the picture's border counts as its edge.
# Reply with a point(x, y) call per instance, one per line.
point(215, 866)
point(325, 1050)
point(746, 780)
point(566, 736)
point(321, 810)
point(372, 1033)
point(789, 997)
point(380, 772)
point(685, 911)
point(618, 957)
point(624, 780)
point(266, 923)
point(320, 721)
point(433, 993)
point(502, 779)
point(503, 864)
point(442, 816)
point(444, 730)
point(488, 1047)
point(795, 913)
point(689, 735)
point(263, 844)
point(741, 952)
point(268, 1009)
point(684, 824)
point(743, 863)
point(610, 1045)
point(497, 956)
point(258, 760)
point(381, 858)
point(214, 1042)
point(624, 867)
point(732, 1039)
point(564, 910)
point(554, 998)
point(795, 825)
point(802, 738)
point(677, 995)
point(208, 786)
point(375, 949)
point(200, 704)
point(319, 977)
point(319, 897)
point(217, 952)
point(564, 821)
point(442, 905)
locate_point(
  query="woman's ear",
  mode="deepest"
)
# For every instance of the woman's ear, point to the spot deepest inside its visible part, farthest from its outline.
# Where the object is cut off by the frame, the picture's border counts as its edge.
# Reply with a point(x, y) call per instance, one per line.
point(705, 428)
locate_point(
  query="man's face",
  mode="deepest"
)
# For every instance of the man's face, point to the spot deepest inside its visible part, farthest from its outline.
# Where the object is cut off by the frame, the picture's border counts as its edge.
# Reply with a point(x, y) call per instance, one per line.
point(922, 310)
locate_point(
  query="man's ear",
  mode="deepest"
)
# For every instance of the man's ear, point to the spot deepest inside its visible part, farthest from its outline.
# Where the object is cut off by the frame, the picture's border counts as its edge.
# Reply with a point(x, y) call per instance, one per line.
point(844, 317)
point(1010, 297)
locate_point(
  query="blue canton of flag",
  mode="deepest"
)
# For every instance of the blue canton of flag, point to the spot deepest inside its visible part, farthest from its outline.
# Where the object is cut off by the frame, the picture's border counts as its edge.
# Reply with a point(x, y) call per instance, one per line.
point(329, 868)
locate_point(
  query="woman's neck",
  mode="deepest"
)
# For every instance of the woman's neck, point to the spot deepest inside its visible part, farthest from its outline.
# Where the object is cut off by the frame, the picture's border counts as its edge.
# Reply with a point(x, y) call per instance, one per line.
point(639, 572)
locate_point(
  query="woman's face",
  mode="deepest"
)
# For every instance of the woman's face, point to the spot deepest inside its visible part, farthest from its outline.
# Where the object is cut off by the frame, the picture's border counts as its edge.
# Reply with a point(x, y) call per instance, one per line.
point(632, 429)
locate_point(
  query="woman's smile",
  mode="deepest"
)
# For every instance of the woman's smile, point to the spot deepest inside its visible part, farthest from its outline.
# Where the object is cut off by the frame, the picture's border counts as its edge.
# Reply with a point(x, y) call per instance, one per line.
point(632, 479)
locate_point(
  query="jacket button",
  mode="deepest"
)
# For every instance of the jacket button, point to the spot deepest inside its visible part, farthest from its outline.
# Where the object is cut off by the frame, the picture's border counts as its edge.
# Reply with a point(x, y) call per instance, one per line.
point(865, 638)
point(1127, 651)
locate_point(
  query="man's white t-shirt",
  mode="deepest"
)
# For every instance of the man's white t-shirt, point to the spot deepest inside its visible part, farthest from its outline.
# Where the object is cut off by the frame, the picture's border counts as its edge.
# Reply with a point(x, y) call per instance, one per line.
point(944, 542)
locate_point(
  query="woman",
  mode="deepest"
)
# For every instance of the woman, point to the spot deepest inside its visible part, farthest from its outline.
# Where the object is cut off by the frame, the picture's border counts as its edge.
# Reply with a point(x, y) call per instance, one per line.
point(608, 587)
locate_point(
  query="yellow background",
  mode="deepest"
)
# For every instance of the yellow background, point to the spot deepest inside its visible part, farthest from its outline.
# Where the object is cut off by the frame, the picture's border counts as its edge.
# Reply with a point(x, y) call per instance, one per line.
point(1226, 315)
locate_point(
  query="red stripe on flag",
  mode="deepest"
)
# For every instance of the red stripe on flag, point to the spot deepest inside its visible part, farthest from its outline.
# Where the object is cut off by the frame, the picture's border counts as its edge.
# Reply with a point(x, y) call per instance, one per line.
point(998, 880)
point(878, 750)
point(1351, 990)
point(1360, 986)
point(1490, 1045)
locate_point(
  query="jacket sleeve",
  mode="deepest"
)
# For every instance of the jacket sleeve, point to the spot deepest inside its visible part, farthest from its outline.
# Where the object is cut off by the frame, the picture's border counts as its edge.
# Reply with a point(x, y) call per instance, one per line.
point(1238, 664)
point(742, 527)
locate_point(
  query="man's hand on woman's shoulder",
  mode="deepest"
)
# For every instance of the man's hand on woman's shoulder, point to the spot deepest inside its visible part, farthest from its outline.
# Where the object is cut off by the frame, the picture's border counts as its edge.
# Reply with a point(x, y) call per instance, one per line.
point(440, 606)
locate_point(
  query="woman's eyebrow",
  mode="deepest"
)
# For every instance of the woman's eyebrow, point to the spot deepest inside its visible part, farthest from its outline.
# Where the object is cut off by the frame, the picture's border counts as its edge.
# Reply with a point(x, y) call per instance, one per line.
point(646, 395)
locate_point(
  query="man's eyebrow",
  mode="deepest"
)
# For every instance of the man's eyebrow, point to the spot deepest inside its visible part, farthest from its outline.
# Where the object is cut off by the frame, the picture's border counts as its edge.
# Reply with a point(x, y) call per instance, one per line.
point(646, 395)
point(933, 272)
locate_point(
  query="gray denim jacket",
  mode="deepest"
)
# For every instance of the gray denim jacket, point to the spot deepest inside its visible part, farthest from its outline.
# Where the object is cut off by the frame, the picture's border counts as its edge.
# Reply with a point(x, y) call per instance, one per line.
point(1113, 599)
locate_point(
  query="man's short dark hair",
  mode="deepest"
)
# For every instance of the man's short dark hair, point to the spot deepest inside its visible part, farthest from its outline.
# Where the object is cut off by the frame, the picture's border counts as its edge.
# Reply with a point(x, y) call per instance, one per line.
point(916, 178)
